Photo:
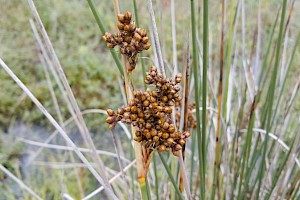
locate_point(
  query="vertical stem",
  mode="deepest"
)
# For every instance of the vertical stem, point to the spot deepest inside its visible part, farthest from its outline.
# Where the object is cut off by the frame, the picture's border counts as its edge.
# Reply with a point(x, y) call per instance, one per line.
point(156, 177)
point(138, 25)
point(156, 39)
point(204, 83)
point(196, 77)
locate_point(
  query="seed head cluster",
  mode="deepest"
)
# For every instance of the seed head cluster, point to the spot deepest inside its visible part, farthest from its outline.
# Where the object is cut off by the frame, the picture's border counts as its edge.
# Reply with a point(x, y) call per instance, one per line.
point(191, 122)
point(130, 39)
point(150, 112)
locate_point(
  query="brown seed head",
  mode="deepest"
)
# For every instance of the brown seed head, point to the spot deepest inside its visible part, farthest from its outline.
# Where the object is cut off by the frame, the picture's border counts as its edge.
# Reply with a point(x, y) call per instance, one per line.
point(181, 141)
point(177, 147)
point(146, 103)
point(171, 128)
point(147, 46)
point(109, 120)
point(165, 99)
point(133, 117)
point(110, 112)
point(121, 17)
point(187, 134)
point(145, 40)
point(166, 125)
point(155, 138)
point(127, 16)
point(133, 109)
point(138, 139)
point(162, 148)
point(165, 135)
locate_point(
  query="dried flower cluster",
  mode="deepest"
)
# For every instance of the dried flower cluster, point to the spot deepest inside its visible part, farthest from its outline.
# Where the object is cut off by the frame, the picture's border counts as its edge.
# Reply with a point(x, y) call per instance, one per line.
point(130, 39)
point(191, 122)
point(150, 112)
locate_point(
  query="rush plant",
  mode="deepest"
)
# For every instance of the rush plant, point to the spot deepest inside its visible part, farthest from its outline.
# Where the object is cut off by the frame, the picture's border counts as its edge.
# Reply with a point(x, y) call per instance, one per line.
point(210, 112)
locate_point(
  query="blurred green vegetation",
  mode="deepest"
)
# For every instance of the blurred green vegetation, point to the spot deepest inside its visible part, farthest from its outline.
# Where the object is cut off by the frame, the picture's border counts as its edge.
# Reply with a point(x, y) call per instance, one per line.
point(90, 69)
point(76, 39)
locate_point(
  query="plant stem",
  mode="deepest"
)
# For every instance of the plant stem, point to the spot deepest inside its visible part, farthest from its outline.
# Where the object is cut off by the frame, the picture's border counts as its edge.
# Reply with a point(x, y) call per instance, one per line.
point(204, 88)
point(196, 65)
point(102, 29)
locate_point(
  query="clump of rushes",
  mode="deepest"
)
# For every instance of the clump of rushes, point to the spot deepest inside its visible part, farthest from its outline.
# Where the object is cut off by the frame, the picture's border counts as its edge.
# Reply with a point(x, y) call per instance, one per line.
point(130, 39)
point(150, 112)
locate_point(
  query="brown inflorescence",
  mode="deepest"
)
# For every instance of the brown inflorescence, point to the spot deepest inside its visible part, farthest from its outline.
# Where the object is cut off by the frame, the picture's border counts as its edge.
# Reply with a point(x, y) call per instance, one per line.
point(150, 112)
point(191, 122)
point(130, 39)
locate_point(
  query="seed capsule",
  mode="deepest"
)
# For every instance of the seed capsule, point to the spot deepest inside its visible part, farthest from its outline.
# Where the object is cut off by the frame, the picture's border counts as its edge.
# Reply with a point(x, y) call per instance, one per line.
point(133, 117)
point(148, 135)
point(181, 141)
point(138, 139)
point(159, 134)
point(170, 141)
point(153, 132)
point(141, 121)
point(147, 115)
point(140, 114)
point(165, 99)
point(109, 120)
point(152, 99)
point(171, 103)
point(146, 103)
point(127, 39)
point(120, 26)
point(127, 109)
point(143, 32)
point(187, 134)
point(177, 147)
point(148, 125)
point(127, 16)
point(147, 46)
point(126, 115)
point(138, 133)
point(171, 128)
point(145, 40)
point(179, 75)
point(162, 148)
point(177, 134)
point(166, 125)
point(155, 138)
point(176, 153)
point(168, 110)
point(110, 112)
point(121, 111)
point(126, 28)
point(121, 17)
point(159, 108)
point(110, 45)
point(165, 135)
point(133, 109)
point(132, 26)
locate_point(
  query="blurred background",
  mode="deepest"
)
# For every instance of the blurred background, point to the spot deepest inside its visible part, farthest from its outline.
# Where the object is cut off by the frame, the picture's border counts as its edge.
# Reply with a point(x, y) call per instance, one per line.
point(93, 77)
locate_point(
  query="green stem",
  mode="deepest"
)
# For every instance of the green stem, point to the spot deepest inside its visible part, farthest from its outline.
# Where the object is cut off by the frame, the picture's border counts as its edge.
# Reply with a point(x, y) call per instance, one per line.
point(156, 177)
point(170, 175)
point(204, 81)
point(196, 65)
point(102, 29)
